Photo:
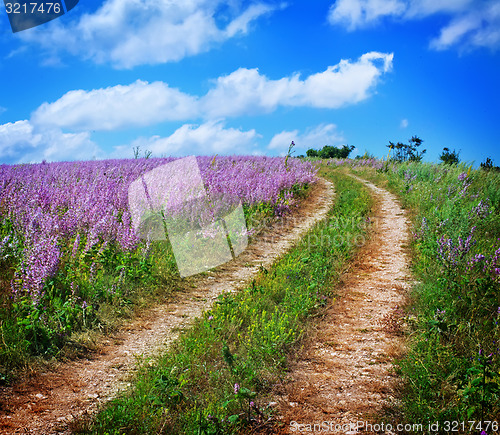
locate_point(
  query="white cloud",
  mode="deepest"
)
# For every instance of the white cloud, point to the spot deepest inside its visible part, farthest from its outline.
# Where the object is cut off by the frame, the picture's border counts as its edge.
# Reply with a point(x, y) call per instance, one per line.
point(473, 23)
point(209, 138)
point(359, 13)
point(21, 142)
point(282, 141)
point(476, 28)
point(317, 137)
point(128, 33)
point(240, 24)
point(424, 8)
point(138, 104)
point(61, 129)
point(404, 123)
point(17, 135)
point(246, 91)
point(242, 92)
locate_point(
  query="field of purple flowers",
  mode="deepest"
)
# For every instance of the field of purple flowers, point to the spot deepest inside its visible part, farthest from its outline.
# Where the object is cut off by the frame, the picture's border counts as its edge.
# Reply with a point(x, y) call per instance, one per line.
point(452, 367)
point(67, 246)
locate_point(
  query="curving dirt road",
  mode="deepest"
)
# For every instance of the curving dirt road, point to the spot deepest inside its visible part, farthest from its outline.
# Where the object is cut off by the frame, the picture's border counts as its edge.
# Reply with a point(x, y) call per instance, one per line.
point(49, 401)
point(344, 380)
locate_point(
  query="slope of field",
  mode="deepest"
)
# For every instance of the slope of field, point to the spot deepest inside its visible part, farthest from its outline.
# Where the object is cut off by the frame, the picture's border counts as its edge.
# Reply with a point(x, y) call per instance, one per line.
point(47, 402)
point(216, 378)
point(71, 261)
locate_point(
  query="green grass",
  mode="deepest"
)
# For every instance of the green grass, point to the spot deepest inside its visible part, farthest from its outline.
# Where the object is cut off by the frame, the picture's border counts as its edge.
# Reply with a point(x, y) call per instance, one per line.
point(94, 292)
point(216, 377)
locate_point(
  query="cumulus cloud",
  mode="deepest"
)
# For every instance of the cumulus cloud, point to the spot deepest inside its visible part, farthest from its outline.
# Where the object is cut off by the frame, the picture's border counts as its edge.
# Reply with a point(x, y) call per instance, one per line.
point(209, 138)
point(61, 129)
point(242, 92)
point(317, 137)
point(246, 91)
point(127, 33)
point(138, 104)
point(21, 142)
point(472, 23)
point(15, 136)
point(404, 123)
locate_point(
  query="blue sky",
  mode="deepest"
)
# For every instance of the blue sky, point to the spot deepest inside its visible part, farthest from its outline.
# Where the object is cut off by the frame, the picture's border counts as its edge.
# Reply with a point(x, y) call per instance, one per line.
point(204, 77)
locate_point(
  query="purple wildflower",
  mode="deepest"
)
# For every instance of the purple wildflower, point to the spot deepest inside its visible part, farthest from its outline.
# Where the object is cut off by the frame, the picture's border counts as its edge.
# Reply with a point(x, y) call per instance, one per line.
point(478, 258)
point(236, 388)
point(450, 253)
point(76, 245)
point(87, 203)
point(482, 210)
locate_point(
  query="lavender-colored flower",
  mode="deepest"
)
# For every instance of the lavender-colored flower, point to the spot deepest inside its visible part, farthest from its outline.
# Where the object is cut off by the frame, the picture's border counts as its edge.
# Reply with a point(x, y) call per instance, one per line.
point(236, 388)
point(462, 176)
point(482, 210)
point(53, 203)
point(442, 223)
point(4, 242)
point(424, 227)
point(465, 186)
point(450, 253)
point(76, 245)
point(478, 258)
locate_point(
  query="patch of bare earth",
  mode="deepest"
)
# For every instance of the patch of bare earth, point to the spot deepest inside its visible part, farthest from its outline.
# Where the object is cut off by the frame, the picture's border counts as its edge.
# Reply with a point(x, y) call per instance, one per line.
point(47, 402)
point(343, 380)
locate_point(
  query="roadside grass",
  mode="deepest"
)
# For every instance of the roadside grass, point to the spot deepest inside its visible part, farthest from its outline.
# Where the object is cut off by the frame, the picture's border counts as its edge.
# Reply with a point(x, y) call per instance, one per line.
point(452, 366)
point(215, 379)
